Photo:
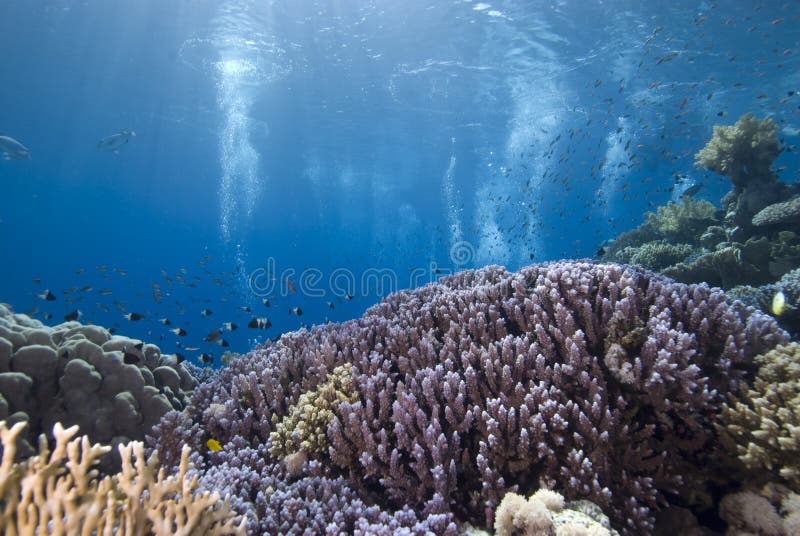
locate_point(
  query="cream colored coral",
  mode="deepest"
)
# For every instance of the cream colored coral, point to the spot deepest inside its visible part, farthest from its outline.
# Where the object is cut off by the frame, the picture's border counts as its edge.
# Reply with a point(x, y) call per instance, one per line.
point(681, 220)
point(743, 152)
point(306, 425)
point(773, 510)
point(545, 514)
point(60, 492)
point(515, 515)
point(748, 512)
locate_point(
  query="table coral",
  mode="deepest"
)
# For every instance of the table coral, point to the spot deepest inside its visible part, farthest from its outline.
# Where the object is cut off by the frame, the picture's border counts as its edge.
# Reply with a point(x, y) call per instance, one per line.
point(786, 212)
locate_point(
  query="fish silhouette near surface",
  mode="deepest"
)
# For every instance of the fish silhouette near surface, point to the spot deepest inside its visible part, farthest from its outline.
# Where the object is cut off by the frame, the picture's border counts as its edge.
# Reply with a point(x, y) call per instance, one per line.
point(11, 149)
point(114, 142)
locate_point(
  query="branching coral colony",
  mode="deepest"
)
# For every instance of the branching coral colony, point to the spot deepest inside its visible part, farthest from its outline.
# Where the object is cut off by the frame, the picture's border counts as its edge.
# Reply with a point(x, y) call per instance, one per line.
point(599, 381)
point(59, 492)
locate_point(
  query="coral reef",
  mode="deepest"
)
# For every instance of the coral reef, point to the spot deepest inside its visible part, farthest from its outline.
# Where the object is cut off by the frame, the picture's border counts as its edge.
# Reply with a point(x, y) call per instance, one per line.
point(784, 213)
point(310, 501)
point(726, 266)
point(762, 422)
point(773, 510)
point(59, 492)
point(655, 255)
point(682, 222)
point(762, 297)
point(544, 513)
point(304, 428)
point(753, 240)
point(743, 152)
point(676, 224)
point(114, 388)
point(598, 380)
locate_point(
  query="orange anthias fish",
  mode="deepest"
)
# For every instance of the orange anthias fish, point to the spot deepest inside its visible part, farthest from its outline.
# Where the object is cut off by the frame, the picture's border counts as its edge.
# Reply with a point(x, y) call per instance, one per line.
point(291, 286)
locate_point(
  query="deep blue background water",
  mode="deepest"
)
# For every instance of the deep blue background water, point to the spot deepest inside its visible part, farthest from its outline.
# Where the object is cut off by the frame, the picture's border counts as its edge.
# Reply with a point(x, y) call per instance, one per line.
point(346, 137)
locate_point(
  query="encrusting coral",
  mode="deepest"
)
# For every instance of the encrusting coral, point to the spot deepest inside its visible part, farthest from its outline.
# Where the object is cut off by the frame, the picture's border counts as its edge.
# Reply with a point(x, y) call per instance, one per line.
point(60, 493)
point(763, 421)
point(598, 380)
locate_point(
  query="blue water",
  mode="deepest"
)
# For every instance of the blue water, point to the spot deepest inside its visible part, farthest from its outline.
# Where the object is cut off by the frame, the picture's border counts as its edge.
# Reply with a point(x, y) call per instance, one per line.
point(324, 143)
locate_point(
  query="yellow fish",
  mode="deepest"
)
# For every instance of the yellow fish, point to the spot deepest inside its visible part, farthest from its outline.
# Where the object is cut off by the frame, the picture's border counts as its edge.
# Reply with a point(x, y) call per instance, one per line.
point(779, 305)
point(213, 445)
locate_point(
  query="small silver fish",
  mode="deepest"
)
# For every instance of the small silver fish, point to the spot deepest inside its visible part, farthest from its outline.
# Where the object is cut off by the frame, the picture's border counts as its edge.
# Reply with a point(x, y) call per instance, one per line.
point(692, 190)
point(11, 149)
point(114, 142)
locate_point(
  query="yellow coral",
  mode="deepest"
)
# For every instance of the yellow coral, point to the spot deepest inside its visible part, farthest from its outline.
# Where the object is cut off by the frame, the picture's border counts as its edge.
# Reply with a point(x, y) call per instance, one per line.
point(743, 152)
point(306, 425)
point(764, 421)
point(60, 493)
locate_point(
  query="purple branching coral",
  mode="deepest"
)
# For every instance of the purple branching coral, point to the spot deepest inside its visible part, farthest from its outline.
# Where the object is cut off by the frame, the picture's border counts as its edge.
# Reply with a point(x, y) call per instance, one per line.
point(597, 380)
